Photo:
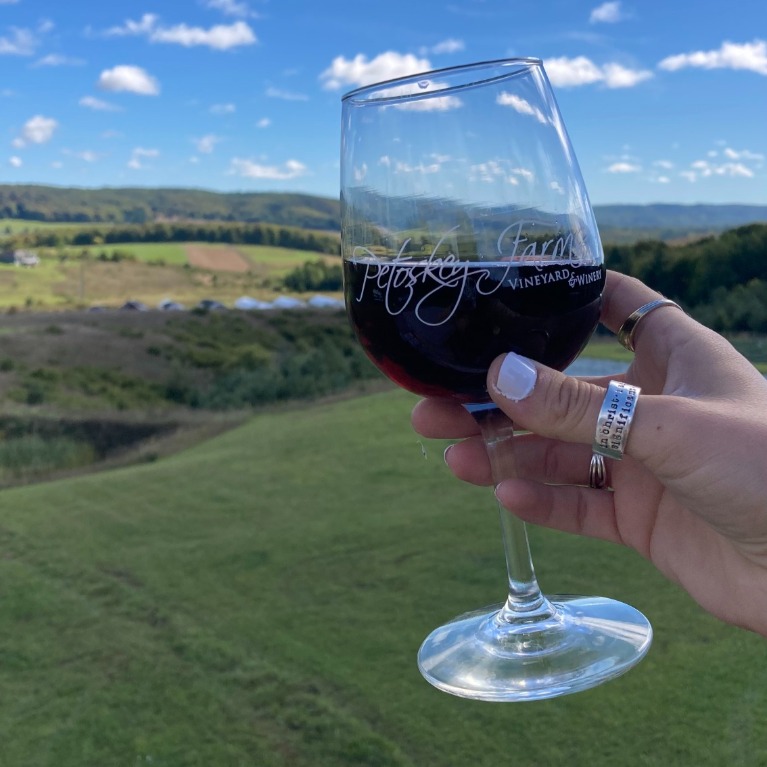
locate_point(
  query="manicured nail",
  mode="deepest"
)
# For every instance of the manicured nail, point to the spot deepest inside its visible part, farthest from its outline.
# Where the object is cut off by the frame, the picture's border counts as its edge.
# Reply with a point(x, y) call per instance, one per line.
point(447, 450)
point(516, 377)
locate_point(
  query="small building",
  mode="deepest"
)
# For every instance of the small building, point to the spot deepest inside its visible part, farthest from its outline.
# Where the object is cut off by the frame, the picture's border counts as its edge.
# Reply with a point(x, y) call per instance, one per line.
point(19, 258)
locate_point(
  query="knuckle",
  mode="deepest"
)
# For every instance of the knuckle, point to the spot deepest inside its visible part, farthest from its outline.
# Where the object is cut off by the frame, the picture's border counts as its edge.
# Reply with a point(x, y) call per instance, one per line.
point(569, 404)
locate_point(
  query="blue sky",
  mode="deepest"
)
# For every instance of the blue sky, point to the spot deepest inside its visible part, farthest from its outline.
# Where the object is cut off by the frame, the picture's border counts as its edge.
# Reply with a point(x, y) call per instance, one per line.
point(664, 100)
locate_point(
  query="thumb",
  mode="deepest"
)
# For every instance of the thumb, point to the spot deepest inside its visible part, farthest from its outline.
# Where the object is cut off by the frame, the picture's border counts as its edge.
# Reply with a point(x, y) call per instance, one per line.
point(562, 407)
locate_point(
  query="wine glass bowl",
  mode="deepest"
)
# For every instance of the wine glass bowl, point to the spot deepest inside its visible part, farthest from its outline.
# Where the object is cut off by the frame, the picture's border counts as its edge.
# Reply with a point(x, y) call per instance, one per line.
point(467, 233)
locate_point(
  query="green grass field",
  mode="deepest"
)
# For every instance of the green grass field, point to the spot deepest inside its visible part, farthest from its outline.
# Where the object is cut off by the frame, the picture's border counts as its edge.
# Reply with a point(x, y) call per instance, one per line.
point(258, 601)
point(62, 280)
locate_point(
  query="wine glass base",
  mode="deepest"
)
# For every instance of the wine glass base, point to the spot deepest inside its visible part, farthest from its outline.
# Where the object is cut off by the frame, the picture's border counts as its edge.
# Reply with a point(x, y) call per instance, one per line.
point(584, 642)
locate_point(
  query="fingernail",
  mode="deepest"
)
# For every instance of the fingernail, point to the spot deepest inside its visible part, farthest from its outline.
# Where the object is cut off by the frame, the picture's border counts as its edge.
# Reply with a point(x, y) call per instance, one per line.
point(447, 450)
point(516, 377)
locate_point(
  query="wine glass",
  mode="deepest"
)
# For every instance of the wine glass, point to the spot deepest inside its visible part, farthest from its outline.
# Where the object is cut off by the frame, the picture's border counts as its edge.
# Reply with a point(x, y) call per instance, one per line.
point(467, 232)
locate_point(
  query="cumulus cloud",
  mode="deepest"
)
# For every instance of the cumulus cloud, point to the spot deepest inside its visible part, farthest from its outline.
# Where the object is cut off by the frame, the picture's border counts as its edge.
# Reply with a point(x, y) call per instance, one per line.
point(129, 78)
point(450, 45)
point(360, 71)
point(91, 102)
point(705, 169)
point(520, 105)
point(20, 42)
point(742, 154)
point(264, 122)
point(277, 93)
point(36, 130)
point(206, 144)
point(230, 8)
point(58, 60)
point(222, 109)
point(749, 56)
point(250, 169)
point(434, 104)
point(607, 13)
point(16, 162)
point(86, 155)
point(219, 37)
point(569, 73)
point(139, 154)
point(624, 167)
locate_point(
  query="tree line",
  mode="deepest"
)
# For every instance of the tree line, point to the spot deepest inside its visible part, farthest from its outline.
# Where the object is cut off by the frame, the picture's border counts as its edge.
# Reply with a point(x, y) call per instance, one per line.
point(219, 232)
point(720, 280)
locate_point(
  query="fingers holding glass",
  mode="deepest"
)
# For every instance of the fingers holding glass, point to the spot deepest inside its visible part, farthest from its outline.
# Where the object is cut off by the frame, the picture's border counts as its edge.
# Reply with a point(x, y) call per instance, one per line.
point(538, 459)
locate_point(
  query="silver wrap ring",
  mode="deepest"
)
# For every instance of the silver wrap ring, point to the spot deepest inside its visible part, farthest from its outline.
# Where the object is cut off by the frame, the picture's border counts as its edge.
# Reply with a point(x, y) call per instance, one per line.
point(614, 420)
point(628, 328)
point(597, 472)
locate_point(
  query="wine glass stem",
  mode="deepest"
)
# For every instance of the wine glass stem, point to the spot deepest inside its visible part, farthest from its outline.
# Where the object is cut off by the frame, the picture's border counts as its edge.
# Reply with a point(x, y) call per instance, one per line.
point(525, 602)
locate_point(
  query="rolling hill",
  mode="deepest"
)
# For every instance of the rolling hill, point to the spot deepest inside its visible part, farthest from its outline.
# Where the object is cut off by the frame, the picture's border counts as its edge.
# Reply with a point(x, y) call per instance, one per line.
point(259, 600)
point(141, 205)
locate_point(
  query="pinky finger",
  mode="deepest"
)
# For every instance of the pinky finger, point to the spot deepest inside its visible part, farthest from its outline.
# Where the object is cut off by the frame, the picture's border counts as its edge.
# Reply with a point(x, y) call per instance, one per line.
point(576, 510)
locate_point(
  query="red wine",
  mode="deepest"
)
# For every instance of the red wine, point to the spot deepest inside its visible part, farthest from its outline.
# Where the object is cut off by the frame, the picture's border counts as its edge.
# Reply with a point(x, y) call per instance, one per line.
point(435, 326)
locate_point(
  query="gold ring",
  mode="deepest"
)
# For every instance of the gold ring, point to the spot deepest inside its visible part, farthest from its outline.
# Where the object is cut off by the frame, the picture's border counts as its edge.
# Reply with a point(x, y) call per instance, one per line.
point(628, 328)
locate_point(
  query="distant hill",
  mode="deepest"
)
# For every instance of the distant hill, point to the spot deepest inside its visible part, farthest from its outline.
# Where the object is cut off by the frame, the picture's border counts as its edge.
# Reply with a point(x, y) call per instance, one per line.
point(142, 205)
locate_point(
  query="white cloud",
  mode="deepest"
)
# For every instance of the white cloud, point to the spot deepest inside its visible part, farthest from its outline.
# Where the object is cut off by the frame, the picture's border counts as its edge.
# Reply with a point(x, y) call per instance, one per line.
point(607, 13)
point(230, 8)
point(663, 180)
point(665, 164)
point(569, 73)
point(277, 93)
point(749, 56)
point(520, 105)
point(404, 167)
point(222, 109)
point(743, 154)
point(250, 169)
point(624, 167)
point(90, 102)
point(16, 162)
point(498, 170)
point(359, 71)
point(706, 169)
point(129, 78)
point(139, 154)
point(36, 130)
point(450, 45)
point(85, 155)
point(264, 122)
point(219, 37)
point(206, 144)
point(21, 42)
point(435, 104)
point(57, 60)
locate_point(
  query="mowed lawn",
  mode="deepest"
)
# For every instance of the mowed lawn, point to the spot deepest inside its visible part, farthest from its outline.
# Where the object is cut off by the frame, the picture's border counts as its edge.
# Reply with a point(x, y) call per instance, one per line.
point(258, 601)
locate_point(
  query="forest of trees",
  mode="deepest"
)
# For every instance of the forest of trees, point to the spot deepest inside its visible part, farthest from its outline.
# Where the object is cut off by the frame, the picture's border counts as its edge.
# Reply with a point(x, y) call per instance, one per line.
point(721, 281)
point(179, 231)
point(139, 206)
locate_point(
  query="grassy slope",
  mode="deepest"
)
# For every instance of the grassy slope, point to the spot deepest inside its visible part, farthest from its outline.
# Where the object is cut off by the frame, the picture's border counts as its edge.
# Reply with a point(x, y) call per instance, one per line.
point(258, 600)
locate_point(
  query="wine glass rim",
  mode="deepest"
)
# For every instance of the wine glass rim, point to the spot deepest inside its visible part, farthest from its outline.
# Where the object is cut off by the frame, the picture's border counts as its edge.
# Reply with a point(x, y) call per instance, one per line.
point(522, 61)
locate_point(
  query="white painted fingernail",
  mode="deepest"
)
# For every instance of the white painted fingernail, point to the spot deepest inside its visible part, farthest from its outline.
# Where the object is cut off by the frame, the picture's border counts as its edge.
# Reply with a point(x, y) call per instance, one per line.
point(516, 377)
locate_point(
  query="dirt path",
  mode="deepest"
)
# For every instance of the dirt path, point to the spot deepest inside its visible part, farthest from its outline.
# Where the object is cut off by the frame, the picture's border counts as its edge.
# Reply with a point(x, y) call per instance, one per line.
point(219, 258)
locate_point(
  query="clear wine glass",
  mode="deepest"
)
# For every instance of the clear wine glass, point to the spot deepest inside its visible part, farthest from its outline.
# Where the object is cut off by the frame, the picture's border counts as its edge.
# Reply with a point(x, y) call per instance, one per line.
point(467, 232)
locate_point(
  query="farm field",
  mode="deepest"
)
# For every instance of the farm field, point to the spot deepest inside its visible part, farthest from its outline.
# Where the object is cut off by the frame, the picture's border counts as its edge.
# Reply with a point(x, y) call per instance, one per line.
point(223, 607)
point(77, 277)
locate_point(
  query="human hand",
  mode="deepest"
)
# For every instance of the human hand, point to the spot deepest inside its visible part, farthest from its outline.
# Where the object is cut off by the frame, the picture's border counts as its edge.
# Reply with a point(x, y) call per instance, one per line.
point(691, 491)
